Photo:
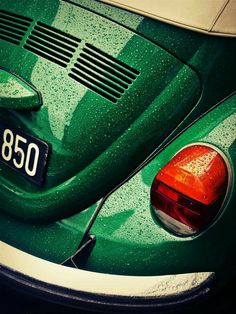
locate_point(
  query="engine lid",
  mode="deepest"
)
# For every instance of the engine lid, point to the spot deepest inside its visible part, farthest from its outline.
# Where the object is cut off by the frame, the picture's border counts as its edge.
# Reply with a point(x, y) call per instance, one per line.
point(109, 98)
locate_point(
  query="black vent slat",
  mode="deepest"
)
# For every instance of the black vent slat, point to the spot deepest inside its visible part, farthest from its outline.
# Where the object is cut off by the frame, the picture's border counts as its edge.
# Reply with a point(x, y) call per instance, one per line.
point(113, 59)
point(14, 20)
point(9, 29)
point(109, 63)
point(44, 55)
point(103, 73)
point(57, 36)
point(9, 39)
point(105, 67)
point(93, 88)
point(52, 40)
point(18, 27)
point(16, 15)
point(51, 46)
point(99, 77)
point(47, 50)
point(13, 27)
point(59, 32)
point(90, 79)
point(107, 75)
point(9, 34)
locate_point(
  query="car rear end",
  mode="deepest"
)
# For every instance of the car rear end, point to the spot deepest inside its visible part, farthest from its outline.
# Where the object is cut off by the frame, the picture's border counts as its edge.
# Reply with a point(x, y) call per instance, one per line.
point(94, 102)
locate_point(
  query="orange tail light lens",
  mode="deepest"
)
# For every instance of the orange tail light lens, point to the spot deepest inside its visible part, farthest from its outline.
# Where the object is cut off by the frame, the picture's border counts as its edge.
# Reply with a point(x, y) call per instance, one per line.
point(187, 193)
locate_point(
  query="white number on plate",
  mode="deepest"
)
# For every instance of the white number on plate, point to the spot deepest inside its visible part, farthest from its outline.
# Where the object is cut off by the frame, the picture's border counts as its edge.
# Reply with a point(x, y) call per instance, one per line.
point(24, 160)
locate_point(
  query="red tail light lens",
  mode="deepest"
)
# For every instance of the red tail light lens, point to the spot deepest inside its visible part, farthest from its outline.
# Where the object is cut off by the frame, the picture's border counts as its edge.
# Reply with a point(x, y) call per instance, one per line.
point(187, 193)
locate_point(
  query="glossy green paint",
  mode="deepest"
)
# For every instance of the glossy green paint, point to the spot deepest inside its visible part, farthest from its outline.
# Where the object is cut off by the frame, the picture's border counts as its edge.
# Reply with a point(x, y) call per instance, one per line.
point(55, 241)
point(95, 144)
point(132, 240)
point(16, 94)
point(93, 141)
point(213, 58)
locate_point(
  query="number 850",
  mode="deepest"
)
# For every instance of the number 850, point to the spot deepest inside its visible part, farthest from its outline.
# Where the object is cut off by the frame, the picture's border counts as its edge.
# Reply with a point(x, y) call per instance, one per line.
point(23, 158)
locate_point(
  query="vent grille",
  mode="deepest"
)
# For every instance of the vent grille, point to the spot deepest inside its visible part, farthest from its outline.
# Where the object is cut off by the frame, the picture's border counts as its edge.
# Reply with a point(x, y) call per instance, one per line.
point(13, 27)
point(95, 69)
point(103, 73)
point(52, 44)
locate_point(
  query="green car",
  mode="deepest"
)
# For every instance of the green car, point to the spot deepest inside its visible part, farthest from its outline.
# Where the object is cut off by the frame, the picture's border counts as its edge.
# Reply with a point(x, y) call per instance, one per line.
point(117, 150)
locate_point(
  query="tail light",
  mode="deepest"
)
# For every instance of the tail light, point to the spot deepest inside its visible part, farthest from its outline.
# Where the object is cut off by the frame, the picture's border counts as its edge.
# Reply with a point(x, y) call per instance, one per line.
point(187, 193)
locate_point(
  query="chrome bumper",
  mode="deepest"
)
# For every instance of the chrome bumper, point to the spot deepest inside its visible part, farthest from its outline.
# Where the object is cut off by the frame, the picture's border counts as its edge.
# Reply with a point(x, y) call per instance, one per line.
point(97, 291)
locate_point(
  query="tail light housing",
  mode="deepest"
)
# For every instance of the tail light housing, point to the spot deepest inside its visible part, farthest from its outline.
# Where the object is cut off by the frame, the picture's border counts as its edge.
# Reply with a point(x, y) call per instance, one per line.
point(187, 193)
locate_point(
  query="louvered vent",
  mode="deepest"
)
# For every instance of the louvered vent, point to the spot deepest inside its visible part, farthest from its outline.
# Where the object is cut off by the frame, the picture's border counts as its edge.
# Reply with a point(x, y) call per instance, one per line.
point(52, 44)
point(103, 73)
point(13, 27)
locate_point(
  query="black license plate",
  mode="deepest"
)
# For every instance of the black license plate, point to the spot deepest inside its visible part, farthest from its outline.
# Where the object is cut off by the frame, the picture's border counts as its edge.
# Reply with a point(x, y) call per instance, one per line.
point(24, 153)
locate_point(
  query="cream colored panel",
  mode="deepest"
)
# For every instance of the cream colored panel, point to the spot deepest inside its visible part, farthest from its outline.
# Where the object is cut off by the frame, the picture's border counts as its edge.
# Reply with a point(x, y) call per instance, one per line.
point(101, 284)
point(199, 15)
point(227, 21)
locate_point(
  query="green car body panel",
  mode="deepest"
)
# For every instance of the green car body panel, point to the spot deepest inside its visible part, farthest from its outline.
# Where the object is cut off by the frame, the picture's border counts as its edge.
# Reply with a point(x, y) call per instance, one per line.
point(79, 124)
point(150, 89)
point(25, 98)
point(138, 243)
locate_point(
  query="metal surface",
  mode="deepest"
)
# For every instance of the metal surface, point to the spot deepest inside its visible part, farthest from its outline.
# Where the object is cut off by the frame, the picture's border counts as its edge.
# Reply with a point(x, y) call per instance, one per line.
point(84, 126)
point(146, 82)
point(17, 94)
point(137, 242)
point(91, 137)
point(83, 287)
